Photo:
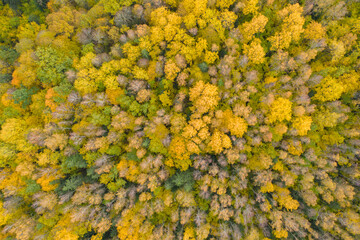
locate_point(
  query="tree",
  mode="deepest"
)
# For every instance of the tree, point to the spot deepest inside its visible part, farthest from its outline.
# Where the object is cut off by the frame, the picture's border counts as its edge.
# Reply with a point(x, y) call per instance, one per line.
point(204, 97)
point(65, 234)
point(328, 90)
point(290, 29)
point(25, 74)
point(314, 30)
point(255, 52)
point(256, 25)
point(302, 124)
point(13, 131)
point(280, 110)
point(218, 142)
point(179, 157)
point(133, 225)
point(63, 21)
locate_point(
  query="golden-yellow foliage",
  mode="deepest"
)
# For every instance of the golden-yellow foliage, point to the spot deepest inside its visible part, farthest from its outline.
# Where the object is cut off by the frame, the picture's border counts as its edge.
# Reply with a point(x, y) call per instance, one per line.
point(280, 110)
point(302, 124)
point(204, 97)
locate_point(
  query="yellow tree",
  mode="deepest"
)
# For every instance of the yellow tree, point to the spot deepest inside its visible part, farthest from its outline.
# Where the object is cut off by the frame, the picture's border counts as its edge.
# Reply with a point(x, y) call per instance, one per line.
point(14, 131)
point(255, 52)
point(204, 96)
point(328, 90)
point(302, 124)
point(179, 157)
point(256, 25)
point(63, 21)
point(280, 110)
point(218, 142)
point(290, 29)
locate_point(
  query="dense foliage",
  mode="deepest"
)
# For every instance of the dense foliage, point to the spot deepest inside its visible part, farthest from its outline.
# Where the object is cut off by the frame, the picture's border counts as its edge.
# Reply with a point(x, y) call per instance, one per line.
point(179, 119)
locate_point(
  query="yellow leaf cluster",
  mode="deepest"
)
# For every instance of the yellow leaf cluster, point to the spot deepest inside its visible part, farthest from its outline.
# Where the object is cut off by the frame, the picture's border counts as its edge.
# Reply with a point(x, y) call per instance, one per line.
point(255, 52)
point(45, 181)
point(279, 166)
point(171, 69)
point(172, 3)
point(65, 234)
point(260, 161)
point(291, 27)
point(204, 97)
point(280, 110)
point(350, 82)
point(189, 233)
point(256, 25)
point(293, 20)
point(236, 125)
point(11, 183)
point(328, 90)
point(280, 40)
point(132, 52)
point(4, 217)
point(282, 233)
point(85, 83)
point(228, 19)
point(250, 7)
point(210, 57)
point(224, 3)
point(113, 95)
point(195, 8)
point(269, 187)
point(284, 198)
point(165, 99)
point(14, 131)
point(132, 225)
point(25, 74)
point(295, 149)
point(302, 124)
point(128, 169)
point(218, 142)
point(179, 156)
point(314, 31)
point(62, 22)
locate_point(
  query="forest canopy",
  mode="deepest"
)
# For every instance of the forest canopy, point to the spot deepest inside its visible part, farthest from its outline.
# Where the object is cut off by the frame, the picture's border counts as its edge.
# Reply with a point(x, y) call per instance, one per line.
point(179, 119)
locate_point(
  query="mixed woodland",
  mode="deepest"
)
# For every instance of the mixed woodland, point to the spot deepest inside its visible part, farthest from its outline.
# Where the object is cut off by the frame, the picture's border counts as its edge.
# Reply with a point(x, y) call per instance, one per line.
point(179, 119)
